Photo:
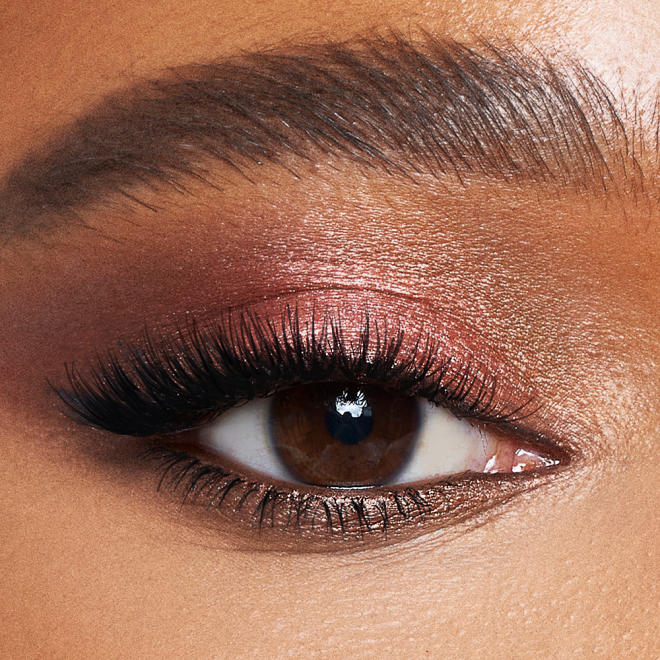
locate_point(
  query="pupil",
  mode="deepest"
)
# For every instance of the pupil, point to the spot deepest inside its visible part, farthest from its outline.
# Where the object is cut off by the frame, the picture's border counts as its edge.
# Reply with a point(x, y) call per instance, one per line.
point(350, 420)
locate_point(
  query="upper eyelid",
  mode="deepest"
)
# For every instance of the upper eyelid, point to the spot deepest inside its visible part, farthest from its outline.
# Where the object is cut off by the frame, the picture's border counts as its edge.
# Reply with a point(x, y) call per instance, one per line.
point(434, 106)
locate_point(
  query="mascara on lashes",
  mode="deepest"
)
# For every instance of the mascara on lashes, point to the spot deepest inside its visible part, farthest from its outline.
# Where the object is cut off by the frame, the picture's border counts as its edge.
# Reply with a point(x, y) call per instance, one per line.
point(171, 384)
point(160, 387)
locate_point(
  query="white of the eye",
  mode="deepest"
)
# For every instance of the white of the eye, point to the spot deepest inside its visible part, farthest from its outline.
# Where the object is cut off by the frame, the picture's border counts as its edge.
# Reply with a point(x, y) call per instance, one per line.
point(445, 446)
point(241, 435)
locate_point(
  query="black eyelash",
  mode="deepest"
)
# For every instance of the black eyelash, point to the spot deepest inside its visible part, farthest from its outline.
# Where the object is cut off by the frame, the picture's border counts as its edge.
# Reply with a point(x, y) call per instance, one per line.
point(215, 485)
point(342, 514)
point(172, 384)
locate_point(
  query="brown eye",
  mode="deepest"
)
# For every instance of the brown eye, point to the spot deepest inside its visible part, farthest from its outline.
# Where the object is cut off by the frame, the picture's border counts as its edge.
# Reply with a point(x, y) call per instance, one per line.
point(334, 434)
point(355, 435)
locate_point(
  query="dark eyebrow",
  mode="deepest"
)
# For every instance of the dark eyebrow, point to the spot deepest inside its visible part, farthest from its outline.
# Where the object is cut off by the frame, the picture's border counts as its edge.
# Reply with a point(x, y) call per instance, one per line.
point(434, 107)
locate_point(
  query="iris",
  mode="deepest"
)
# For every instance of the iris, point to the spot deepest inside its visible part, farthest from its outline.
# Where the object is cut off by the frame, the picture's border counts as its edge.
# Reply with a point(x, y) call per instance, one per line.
point(343, 435)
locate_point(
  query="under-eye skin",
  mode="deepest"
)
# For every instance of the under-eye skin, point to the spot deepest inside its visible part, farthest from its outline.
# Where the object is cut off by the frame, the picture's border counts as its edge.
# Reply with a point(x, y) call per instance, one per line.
point(347, 414)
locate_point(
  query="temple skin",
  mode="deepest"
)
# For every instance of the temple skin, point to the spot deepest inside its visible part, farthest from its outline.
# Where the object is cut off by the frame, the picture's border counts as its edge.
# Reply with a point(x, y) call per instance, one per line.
point(562, 286)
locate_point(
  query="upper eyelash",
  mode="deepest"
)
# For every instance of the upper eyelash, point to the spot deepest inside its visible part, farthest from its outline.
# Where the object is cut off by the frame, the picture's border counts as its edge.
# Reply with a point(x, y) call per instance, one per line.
point(172, 384)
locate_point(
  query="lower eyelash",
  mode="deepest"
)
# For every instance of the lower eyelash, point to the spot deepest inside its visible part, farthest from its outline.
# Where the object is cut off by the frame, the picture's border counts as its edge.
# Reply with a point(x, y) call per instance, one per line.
point(180, 471)
point(325, 514)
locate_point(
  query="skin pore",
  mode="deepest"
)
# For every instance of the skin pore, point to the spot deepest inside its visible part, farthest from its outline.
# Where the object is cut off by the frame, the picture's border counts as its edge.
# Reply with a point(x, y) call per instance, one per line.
point(558, 285)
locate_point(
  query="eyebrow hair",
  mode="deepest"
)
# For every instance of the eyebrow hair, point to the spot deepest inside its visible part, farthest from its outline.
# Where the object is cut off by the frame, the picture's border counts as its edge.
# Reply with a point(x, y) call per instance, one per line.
point(435, 107)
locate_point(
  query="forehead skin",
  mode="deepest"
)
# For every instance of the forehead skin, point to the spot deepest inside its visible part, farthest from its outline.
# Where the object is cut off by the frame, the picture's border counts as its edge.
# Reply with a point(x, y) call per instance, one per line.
point(84, 574)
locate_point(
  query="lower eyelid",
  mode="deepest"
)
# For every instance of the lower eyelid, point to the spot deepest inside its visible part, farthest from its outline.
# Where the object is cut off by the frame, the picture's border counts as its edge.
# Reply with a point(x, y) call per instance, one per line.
point(279, 516)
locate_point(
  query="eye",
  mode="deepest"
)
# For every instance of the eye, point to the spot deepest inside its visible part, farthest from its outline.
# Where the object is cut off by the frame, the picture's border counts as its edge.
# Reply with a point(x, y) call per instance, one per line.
point(340, 435)
point(376, 434)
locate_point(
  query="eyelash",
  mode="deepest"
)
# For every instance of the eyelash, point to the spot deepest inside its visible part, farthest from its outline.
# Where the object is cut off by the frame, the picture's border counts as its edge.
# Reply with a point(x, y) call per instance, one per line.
point(160, 388)
point(175, 384)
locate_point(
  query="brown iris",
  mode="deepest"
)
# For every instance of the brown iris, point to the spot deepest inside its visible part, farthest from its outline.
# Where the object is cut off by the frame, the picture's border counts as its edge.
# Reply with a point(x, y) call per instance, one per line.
point(338, 434)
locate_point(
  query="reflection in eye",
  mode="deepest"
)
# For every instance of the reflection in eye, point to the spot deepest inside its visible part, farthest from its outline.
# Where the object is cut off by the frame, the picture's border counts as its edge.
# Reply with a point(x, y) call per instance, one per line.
point(348, 435)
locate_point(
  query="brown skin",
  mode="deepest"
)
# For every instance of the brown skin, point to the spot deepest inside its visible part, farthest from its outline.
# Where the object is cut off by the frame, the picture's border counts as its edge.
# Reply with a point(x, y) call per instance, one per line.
point(95, 564)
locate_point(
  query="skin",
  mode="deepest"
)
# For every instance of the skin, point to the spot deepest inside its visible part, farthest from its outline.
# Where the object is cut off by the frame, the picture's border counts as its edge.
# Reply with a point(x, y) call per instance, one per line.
point(96, 564)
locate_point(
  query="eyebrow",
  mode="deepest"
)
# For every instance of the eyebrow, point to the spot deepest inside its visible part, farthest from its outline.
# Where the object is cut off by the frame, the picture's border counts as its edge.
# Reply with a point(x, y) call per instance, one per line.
point(435, 107)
